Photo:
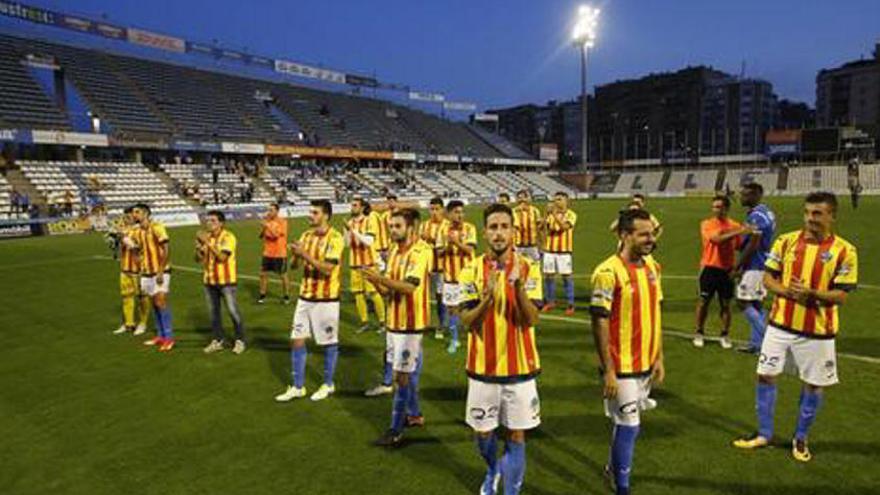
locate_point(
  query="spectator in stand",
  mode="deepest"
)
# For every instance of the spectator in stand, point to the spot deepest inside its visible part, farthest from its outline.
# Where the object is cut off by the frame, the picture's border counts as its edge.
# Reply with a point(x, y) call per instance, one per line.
point(14, 201)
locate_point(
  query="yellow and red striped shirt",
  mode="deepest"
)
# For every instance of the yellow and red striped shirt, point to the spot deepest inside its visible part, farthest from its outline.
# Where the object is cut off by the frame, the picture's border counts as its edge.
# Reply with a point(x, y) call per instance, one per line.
point(525, 221)
point(218, 272)
point(128, 257)
point(830, 264)
point(454, 259)
point(383, 237)
point(501, 350)
point(360, 254)
point(328, 247)
point(410, 313)
point(149, 240)
point(429, 231)
point(559, 238)
point(630, 295)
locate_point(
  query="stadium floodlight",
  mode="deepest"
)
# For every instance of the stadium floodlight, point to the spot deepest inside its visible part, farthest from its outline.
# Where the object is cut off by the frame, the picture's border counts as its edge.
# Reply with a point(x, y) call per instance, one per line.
point(584, 37)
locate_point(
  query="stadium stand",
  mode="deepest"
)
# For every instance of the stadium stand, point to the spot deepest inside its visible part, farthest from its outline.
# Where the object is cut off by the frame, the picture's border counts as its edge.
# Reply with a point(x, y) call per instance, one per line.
point(869, 175)
point(230, 190)
point(806, 179)
point(545, 183)
point(685, 181)
point(479, 184)
point(23, 102)
point(441, 184)
point(639, 182)
point(115, 185)
point(499, 142)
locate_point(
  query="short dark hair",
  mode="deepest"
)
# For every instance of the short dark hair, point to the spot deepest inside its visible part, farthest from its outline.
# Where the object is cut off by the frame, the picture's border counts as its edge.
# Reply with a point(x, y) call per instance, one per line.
point(639, 196)
point(391, 196)
point(323, 204)
point(127, 210)
point(496, 208)
point(145, 207)
point(504, 195)
point(455, 203)
point(724, 200)
point(275, 205)
point(410, 215)
point(219, 215)
point(754, 187)
point(822, 197)
point(436, 200)
point(561, 193)
point(627, 220)
point(523, 191)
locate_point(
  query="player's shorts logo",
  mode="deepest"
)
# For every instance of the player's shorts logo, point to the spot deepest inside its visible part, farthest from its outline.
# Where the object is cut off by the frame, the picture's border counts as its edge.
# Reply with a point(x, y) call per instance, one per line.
point(769, 361)
point(328, 330)
point(631, 407)
point(535, 406)
point(479, 414)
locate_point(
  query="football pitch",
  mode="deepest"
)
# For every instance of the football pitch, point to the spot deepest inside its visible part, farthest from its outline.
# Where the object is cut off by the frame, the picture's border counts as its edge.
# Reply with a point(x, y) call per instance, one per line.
point(84, 411)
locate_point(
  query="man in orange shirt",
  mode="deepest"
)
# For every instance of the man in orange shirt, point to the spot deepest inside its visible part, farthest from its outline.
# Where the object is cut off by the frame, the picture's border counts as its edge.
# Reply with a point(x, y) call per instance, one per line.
point(274, 236)
point(720, 238)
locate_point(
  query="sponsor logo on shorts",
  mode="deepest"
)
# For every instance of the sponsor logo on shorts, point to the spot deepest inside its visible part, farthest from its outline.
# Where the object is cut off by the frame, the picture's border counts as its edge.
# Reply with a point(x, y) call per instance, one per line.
point(768, 361)
point(629, 408)
point(480, 414)
point(329, 329)
point(535, 406)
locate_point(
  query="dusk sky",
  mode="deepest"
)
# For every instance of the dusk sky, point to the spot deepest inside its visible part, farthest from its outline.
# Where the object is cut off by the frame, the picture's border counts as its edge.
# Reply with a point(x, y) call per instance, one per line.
point(506, 52)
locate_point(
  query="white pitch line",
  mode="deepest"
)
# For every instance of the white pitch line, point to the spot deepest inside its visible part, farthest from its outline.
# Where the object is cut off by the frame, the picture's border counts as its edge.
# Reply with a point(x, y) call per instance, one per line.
point(689, 336)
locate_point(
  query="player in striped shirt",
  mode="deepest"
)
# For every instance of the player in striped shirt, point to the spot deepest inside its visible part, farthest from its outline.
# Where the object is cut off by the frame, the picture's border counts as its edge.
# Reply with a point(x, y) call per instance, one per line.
point(558, 244)
point(406, 283)
point(625, 310)
point(456, 244)
point(360, 233)
point(129, 278)
point(501, 293)
point(155, 269)
point(810, 273)
point(319, 249)
point(215, 250)
point(429, 231)
point(528, 225)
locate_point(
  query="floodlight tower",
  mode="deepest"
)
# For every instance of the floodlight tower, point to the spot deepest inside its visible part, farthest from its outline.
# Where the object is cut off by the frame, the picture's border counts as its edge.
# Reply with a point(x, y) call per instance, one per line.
point(584, 37)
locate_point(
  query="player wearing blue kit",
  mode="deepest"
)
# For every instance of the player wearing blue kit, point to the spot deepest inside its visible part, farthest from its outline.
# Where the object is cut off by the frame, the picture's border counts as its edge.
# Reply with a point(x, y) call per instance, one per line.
point(750, 291)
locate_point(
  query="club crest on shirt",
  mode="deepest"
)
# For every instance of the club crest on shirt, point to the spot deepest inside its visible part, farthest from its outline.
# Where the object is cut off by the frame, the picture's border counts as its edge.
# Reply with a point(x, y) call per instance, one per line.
point(826, 256)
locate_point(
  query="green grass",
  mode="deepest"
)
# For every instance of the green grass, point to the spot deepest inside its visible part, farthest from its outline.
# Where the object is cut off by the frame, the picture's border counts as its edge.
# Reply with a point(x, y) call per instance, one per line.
point(82, 411)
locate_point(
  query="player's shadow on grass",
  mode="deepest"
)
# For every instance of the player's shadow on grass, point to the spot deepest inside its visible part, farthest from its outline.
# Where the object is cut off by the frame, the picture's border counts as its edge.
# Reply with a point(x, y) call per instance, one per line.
point(684, 485)
point(674, 404)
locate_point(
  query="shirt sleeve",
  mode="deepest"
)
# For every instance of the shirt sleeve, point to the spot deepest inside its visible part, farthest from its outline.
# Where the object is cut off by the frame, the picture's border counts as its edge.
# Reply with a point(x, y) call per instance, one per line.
point(470, 235)
point(846, 276)
point(418, 267)
point(160, 233)
point(571, 217)
point(774, 259)
point(534, 283)
point(603, 282)
point(440, 241)
point(335, 245)
point(227, 244)
point(467, 278)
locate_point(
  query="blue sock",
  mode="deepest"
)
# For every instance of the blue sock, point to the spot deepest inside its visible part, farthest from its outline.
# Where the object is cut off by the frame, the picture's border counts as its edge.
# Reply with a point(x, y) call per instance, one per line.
point(398, 408)
point(488, 447)
point(766, 405)
point(568, 283)
point(387, 373)
point(810, 402)
point(166, 322)
point(298, 366)
point(412, 405)
point(623, 446)
point(160, 324)
point(550, 290)
point(755, 316)
point(513, 466)
point(331, 353)
point(453, 325)
point(441, 311)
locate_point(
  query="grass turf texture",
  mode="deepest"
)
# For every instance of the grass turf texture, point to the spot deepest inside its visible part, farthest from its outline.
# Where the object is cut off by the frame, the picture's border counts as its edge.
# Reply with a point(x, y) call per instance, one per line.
point(82, 411)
